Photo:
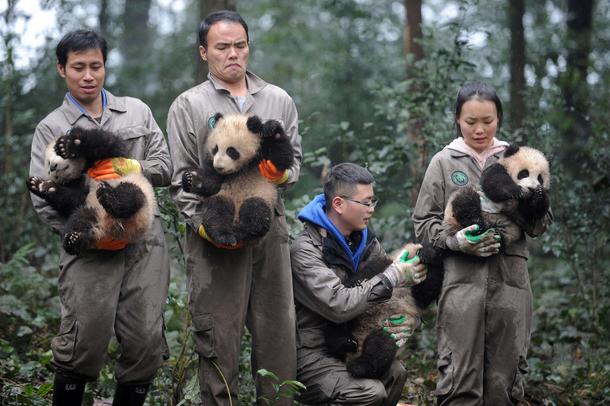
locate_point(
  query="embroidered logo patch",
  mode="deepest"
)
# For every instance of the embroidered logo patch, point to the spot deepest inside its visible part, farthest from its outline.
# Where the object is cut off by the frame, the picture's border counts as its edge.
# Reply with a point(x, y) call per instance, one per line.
point(211, 122)
point(459, 178)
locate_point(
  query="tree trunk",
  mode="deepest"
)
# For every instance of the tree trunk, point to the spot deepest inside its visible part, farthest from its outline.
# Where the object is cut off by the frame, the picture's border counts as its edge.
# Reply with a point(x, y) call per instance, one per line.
point(413, 32)
point(10, 86)
point(414, 52)
point(103, 18)
point(575, 154)
point(135, 46)
point(516, 10)
point(206, 7)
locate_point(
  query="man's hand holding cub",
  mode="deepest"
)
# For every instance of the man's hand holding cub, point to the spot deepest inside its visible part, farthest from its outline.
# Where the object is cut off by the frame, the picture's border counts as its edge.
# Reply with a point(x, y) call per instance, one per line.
point(406, 270)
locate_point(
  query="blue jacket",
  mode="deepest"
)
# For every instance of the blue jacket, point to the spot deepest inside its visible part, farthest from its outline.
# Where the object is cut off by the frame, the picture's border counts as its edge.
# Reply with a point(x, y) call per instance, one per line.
point(315, 212)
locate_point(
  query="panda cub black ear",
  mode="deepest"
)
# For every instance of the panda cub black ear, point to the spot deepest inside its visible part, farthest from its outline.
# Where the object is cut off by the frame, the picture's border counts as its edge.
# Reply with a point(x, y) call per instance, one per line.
point(511, 150)
point(254, 124)
point(217, 117)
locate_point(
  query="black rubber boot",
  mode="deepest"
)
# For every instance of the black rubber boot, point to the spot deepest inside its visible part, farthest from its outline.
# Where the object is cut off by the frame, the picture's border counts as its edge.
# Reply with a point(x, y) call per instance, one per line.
point(67, 391)
point(130, 394)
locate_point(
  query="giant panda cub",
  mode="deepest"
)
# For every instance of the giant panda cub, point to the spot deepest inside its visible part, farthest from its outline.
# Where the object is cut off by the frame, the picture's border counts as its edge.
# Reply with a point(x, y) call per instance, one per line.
point(237, 201)
point(368, 350)
point(514, 192)
point(119, 209)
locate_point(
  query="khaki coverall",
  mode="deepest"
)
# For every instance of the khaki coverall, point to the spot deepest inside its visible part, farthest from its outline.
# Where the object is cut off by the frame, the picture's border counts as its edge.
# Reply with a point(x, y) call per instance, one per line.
point(105, 292)
point(321, 297)
point(485, 307)
point(229, 288)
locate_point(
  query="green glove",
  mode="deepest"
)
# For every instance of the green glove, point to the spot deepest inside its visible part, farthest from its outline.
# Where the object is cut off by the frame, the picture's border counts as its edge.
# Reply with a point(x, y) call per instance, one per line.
point(469, 241)
point(405, 273)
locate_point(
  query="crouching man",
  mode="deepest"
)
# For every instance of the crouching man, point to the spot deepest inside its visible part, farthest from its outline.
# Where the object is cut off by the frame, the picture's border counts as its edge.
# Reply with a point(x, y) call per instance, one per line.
point(334, 244)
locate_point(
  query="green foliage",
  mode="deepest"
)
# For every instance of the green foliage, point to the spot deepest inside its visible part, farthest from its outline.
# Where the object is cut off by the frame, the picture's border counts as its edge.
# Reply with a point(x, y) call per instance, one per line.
point(305, 46)
point(28, 319)
point(287, 389)
point(410, 125)
point(568, 360)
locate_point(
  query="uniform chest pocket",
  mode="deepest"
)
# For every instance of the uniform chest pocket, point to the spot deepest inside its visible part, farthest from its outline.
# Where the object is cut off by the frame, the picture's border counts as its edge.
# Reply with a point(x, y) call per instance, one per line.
point(136, 138)
point(131, 133)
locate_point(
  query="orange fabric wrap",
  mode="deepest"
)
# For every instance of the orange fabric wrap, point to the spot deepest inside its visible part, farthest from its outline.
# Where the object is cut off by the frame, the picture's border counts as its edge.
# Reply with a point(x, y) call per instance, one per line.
point(103, 170)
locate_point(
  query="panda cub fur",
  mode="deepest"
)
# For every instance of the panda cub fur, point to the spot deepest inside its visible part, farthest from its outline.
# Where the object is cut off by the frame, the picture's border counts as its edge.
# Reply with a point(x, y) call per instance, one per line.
point(119, 209)
point(513, 192)
point(368, 350)
point(237, 201)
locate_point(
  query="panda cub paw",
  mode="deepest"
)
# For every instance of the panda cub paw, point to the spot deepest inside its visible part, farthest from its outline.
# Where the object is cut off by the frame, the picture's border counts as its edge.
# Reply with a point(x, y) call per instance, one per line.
point(272, 130)
point(68, 146)
point(74, 243)
point(41, 187)
point(195, 182)
point(190, 181)
point(222, 236)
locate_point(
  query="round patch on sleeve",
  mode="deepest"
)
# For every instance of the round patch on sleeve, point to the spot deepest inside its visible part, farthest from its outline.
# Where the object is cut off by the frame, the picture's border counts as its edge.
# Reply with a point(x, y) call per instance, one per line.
point(459, 178)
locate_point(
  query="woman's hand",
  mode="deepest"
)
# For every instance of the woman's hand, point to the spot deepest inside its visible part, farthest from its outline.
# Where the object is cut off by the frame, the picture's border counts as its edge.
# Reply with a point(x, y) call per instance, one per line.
point(487, 245)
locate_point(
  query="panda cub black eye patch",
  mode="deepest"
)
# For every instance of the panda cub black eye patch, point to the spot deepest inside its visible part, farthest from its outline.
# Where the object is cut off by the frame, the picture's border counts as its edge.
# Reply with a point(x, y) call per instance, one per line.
point(524, 173)
point(215, 150)
point(540, 180)
point(233, 153)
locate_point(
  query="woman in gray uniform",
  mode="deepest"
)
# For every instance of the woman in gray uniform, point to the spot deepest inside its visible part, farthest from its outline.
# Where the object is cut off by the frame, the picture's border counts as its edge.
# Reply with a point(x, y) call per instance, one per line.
point(485, 305)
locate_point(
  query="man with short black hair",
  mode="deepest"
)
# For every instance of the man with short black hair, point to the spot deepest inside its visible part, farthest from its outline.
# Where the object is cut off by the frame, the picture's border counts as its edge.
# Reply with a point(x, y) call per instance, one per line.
point(230, 287)
point(335, 243)
point(115, 288)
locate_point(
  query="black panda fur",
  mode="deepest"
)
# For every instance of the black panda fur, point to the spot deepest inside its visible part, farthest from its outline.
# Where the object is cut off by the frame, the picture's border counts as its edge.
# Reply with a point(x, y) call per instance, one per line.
point(367, 349)
point(517, 185)
point(121, 209)
point(237, 201)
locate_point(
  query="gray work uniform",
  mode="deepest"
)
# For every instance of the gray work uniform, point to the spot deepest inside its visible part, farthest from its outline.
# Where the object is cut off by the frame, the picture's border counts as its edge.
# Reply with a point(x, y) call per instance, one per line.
point(122, 291)
point(250, 285)
point(320, 297)
point(485, 305)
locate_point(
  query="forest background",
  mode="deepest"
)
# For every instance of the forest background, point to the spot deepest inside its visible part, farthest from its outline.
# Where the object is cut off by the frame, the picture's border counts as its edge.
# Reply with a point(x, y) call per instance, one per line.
point(374, 82)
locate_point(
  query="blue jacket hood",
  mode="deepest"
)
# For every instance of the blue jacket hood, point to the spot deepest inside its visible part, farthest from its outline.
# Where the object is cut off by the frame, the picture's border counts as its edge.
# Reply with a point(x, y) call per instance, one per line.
point(314, 212)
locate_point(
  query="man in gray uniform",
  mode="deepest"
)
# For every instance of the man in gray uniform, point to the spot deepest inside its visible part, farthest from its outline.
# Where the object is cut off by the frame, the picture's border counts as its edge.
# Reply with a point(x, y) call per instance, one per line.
point(232, 287)
point(335, 243)
point(116, 288)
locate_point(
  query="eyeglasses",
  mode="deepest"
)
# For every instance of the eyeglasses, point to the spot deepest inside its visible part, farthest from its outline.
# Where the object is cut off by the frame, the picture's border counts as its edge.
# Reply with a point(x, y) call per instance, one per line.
point(371, 205)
